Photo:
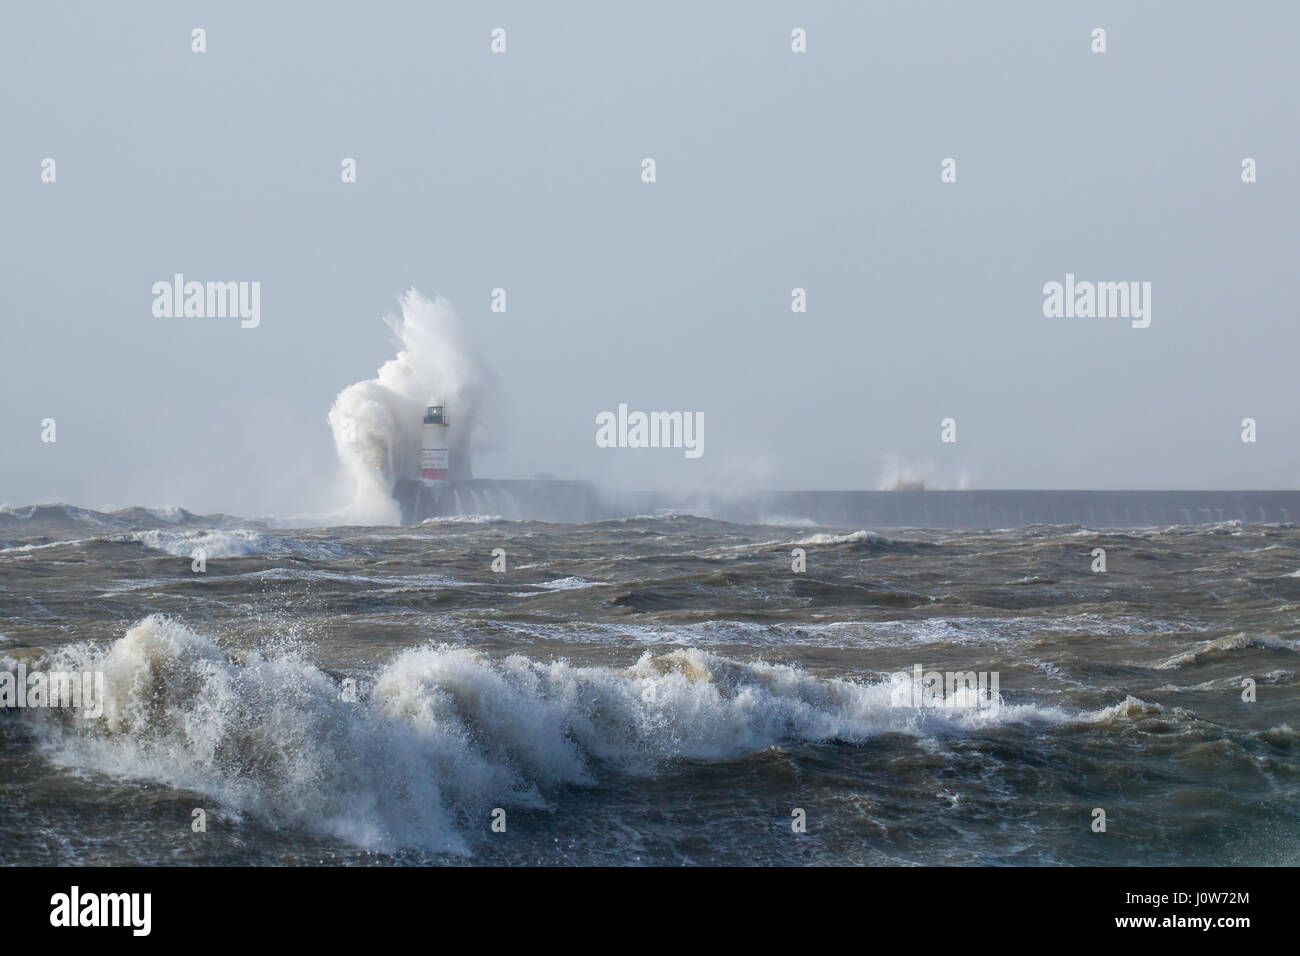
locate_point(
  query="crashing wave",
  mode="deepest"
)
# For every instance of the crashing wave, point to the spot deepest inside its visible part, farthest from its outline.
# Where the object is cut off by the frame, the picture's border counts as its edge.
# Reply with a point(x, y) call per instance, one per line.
point(444, 733)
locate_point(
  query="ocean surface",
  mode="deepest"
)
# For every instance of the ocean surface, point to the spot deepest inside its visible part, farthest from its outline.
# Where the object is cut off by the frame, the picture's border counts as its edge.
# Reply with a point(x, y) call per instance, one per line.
point(660, 690)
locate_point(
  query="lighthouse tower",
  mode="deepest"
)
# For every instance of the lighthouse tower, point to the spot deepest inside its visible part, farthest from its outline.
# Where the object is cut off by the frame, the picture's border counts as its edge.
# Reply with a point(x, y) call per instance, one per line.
point(434, 463)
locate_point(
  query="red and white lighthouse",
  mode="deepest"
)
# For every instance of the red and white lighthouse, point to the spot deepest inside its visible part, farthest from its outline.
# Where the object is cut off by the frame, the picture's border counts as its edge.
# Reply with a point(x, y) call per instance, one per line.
point(434, 460)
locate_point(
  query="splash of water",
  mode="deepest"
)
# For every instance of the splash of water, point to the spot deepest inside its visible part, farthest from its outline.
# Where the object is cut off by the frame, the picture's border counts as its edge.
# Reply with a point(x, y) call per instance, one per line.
point(443, 733)
point(376, 423)
point(897, 474)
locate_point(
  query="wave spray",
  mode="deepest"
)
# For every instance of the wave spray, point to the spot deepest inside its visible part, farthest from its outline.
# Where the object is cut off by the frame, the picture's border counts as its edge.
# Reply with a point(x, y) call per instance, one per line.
point(376, 423)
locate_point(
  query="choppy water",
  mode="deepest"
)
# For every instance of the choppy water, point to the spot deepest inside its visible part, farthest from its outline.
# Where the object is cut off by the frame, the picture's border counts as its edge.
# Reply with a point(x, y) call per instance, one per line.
point(658, 690)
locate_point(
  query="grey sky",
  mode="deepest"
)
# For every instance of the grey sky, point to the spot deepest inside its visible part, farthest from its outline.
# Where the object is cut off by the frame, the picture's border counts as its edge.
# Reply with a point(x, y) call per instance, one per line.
point(775, 170)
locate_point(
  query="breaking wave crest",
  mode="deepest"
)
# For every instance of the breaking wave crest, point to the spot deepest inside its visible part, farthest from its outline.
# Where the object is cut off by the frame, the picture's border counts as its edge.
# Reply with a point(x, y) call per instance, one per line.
point(215, 544)
point(236, 544)
point(1220, 648)
point(442, 734)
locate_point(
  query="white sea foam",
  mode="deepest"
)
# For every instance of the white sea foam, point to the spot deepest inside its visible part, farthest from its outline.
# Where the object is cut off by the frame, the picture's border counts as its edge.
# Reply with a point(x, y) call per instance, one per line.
point(1130, 708)
point(464, 519)
point(235, 544)
point(445, 733)
point(854, 537)
point(1222, 647)
point(571, 583)
point(215, 544)
point(408, 582)
point(28, 548)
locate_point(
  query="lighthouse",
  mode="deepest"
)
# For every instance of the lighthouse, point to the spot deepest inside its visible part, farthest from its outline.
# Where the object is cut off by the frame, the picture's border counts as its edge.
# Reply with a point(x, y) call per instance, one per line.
point(434, 463)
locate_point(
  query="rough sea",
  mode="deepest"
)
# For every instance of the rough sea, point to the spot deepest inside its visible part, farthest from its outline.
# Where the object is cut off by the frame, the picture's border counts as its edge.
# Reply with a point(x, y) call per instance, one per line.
point(659, 690)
